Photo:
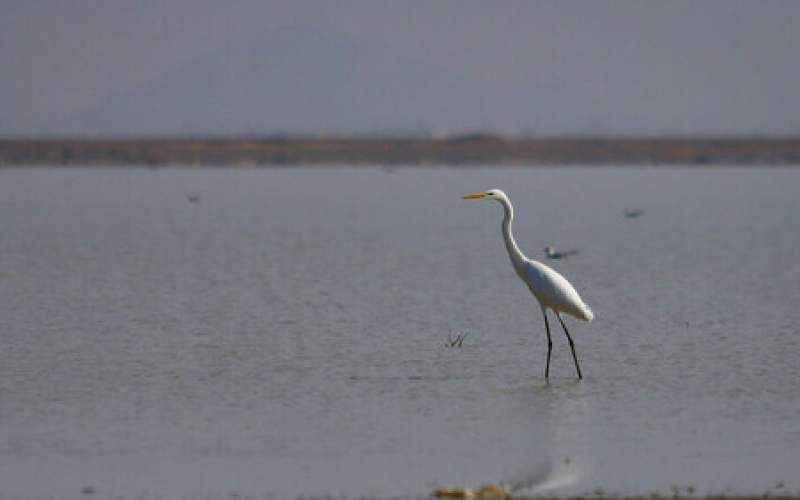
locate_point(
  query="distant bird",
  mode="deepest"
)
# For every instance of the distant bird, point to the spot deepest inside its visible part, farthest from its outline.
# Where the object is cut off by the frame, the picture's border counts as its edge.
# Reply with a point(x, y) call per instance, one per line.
point(551, 289)
point(633, 213)
point(192, 197)
point(552, 253)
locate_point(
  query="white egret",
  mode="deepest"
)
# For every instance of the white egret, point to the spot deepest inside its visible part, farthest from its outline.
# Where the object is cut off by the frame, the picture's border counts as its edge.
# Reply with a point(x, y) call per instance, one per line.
point(552, 290)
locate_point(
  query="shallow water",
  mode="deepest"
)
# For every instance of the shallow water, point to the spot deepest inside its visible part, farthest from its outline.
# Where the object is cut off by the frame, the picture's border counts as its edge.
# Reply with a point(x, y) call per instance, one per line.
point(282, 332)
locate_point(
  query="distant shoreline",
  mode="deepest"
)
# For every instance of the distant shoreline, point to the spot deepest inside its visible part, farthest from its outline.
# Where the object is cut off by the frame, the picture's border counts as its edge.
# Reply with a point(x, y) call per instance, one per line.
point(458, 150)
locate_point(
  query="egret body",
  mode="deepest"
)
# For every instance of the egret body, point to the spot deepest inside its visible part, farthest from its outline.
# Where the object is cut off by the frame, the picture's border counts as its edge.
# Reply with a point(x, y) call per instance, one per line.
point(551, 290)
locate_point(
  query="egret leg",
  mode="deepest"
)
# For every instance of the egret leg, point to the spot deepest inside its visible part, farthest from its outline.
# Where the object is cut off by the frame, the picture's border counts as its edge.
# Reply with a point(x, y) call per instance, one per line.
point(571, 346)
point(549, 345)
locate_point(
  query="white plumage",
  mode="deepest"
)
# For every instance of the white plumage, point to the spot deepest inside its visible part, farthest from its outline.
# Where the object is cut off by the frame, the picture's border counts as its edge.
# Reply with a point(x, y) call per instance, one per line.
point(552, 290)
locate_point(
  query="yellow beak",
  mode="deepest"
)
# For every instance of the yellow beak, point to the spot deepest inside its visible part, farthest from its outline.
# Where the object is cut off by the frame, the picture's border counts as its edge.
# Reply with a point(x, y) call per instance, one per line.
point(475, 196)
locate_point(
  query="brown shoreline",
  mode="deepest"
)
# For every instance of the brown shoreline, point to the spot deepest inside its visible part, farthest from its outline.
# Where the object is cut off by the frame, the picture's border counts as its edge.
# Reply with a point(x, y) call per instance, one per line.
point(466, 149)
point(766, 496)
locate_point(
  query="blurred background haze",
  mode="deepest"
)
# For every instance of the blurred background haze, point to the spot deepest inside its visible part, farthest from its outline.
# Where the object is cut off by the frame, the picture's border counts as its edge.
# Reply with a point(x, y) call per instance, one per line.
point(100, 68)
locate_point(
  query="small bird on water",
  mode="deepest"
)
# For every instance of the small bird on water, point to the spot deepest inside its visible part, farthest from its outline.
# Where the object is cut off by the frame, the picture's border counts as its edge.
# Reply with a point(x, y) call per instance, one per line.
point(551, 290)
point(552, 253)
point(632, 213)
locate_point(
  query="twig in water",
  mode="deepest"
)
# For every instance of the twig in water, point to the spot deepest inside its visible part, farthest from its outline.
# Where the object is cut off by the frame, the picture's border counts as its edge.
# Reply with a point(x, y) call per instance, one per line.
point(456, 342)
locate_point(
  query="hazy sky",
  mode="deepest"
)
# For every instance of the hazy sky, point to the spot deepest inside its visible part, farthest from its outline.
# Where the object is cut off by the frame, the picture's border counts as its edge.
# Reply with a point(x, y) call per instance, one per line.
point(105, 67)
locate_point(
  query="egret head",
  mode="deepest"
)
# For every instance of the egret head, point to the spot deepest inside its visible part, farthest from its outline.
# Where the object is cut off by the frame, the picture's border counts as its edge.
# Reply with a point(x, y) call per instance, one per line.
point(492, 194)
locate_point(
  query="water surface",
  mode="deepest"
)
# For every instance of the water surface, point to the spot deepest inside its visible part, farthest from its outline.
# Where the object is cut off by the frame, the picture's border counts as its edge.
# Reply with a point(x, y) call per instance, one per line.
point(196, 333)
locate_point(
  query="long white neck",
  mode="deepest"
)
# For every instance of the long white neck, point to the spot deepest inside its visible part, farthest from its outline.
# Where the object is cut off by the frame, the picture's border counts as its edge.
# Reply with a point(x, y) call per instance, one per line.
point(514, 253)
